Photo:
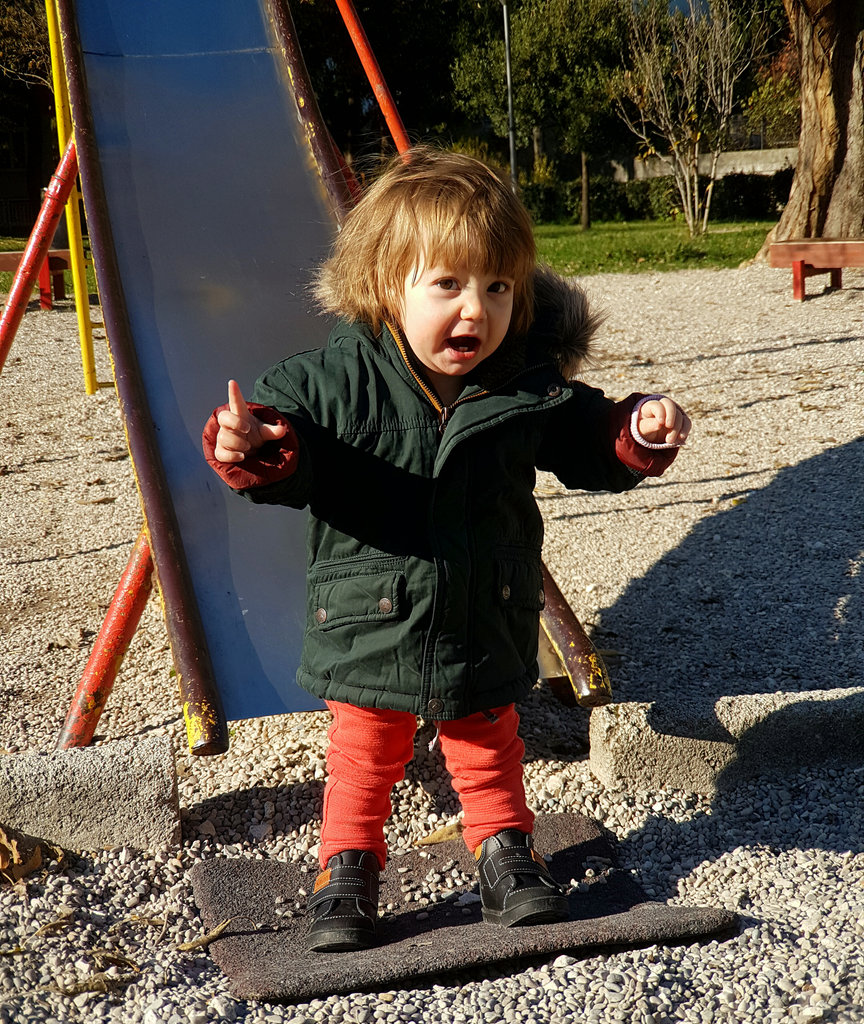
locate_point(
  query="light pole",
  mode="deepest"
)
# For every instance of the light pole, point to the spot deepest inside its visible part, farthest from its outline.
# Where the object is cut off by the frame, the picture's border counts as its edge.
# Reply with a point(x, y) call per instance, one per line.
point(511, 123)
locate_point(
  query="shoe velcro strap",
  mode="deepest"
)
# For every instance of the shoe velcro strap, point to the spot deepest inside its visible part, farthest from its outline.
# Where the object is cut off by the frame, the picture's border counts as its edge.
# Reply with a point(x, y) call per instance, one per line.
point(513, 860)
point(346, 882)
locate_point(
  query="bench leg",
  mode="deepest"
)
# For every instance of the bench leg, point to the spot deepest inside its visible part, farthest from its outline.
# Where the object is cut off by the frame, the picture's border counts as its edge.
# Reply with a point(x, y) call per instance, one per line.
point(798, 278)
point(45, 286)
point(837, 277)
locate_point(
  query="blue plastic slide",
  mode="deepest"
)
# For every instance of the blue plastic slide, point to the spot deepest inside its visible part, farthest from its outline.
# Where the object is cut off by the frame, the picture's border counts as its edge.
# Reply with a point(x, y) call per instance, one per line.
point(207, 212)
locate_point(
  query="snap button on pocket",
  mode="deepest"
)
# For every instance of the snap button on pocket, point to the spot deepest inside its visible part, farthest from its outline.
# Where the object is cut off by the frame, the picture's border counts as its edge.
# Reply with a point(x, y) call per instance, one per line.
point(553, 391)
point(505, 592)
point(321, 616)
point(435, 706)
point(385, 605)
point(542, 599)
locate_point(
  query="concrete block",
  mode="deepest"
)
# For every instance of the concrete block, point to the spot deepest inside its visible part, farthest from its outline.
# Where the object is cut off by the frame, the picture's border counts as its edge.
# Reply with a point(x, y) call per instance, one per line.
point(121, 793)
point(645, 746)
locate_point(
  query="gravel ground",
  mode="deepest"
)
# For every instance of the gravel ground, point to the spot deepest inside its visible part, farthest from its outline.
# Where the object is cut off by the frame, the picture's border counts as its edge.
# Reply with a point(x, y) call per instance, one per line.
point(740, 571)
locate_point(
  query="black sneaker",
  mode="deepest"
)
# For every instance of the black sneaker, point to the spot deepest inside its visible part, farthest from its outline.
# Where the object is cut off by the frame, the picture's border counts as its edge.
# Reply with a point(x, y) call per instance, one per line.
point(343, 906)
point(515, 885)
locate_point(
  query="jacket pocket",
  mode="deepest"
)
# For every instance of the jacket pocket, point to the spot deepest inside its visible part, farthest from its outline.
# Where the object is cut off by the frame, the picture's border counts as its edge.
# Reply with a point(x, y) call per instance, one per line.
point(356, 591)
point(519, 579)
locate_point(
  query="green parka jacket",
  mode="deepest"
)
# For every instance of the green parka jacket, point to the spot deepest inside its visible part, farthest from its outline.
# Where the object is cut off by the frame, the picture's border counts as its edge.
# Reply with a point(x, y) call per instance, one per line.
point(424, 576)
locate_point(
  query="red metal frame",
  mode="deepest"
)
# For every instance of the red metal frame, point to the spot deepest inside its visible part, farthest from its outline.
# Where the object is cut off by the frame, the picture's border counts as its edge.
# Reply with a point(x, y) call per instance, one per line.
point(36, 252)
point(111, 644)
point(801, 270)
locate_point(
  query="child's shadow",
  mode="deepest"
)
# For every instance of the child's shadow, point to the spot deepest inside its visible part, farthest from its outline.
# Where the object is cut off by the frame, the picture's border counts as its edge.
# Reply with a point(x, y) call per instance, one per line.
point(764, 598)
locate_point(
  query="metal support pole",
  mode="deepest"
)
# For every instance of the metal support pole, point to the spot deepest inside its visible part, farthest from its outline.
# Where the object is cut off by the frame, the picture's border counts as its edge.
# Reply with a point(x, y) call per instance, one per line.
point(73, 218)
point(106, 657)
point(373, 73)
point(511, 119)
point(578, 656)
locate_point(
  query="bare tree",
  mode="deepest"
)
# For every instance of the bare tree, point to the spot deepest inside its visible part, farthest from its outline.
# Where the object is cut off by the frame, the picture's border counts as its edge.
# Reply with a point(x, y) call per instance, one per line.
point(679, 90)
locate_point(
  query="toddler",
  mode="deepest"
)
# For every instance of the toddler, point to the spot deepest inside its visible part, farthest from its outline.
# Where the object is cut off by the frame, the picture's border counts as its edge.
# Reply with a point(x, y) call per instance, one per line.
point(414, 438)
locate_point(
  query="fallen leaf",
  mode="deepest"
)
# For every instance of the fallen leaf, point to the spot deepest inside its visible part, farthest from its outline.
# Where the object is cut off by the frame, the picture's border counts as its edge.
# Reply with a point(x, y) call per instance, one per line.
point(21, 855)
point(204, 940)
point(442, 835)
point(67, 915)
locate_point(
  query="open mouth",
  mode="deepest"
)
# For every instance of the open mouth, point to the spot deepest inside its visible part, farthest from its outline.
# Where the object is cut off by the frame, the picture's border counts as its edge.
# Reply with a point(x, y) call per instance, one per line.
point(463, 348)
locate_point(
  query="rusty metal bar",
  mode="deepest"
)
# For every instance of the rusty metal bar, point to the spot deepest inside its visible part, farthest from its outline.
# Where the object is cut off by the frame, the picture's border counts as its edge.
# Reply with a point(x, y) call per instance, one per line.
point(339, 183)
point(579, 657)
point(110, 646)
point(36, 250)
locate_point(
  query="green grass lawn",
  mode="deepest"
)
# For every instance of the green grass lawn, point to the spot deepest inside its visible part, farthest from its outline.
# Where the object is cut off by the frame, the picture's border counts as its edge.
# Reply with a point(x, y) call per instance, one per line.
point(612, 247)
point(618, 247)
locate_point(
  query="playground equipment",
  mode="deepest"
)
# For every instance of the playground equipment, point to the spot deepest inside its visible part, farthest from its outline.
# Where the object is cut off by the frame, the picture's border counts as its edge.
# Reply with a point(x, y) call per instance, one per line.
point(34, 259)
point(212, 188)
point(809, 257)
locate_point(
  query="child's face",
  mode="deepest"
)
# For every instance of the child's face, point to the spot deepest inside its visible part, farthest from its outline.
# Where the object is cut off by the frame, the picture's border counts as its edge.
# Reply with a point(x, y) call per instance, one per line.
point(455, 317)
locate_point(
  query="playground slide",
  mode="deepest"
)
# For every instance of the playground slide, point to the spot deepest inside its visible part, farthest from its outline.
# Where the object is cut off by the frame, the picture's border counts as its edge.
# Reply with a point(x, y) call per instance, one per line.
point(207, 212)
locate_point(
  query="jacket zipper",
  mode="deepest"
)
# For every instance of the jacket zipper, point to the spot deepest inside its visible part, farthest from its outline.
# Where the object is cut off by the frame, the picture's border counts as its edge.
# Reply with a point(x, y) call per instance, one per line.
point(444, 411)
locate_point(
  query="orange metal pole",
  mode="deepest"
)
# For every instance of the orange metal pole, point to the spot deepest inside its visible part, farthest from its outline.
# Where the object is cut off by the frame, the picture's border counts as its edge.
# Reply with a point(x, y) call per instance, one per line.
point(36, 251)
point(106, 657)
point(373, 73)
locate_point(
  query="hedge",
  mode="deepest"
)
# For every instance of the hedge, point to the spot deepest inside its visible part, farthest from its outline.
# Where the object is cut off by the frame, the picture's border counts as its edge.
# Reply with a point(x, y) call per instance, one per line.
point(736, 197)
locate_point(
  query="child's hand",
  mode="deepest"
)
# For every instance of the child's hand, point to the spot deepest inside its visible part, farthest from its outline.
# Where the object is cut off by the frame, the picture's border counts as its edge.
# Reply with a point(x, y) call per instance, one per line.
point(661, 421)
point(240, 432)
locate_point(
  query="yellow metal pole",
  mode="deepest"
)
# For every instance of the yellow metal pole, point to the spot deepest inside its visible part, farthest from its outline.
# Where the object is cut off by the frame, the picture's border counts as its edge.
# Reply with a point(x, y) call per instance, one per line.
point(73, 218)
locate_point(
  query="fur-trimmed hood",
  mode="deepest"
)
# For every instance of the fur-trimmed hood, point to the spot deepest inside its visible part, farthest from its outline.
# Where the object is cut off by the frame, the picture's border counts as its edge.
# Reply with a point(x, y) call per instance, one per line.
point(563, 320)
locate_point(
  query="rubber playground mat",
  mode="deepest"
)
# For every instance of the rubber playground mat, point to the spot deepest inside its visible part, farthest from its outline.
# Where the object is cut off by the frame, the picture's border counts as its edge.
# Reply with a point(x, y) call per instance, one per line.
point(262, 952)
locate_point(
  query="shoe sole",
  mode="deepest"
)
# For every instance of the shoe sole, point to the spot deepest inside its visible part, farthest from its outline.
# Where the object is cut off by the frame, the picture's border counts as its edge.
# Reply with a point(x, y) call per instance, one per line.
point(339, 942)
point(550, 913)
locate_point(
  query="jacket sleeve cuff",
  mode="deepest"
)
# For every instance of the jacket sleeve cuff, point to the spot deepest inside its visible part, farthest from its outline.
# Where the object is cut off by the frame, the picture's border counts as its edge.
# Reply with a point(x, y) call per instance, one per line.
point(639, 455)
point(273, 461)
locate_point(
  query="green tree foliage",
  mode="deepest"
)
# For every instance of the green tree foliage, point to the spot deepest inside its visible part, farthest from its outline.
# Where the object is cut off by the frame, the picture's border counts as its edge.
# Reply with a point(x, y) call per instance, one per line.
point(774, 106)
point(562, 56)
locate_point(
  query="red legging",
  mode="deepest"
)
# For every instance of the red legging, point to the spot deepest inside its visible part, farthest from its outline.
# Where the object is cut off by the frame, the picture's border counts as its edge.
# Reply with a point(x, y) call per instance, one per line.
point(369, 748)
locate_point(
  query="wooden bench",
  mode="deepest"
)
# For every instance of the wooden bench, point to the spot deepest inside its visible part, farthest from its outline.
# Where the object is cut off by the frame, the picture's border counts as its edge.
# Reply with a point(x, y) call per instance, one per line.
point(809, 256)
point(50, 273)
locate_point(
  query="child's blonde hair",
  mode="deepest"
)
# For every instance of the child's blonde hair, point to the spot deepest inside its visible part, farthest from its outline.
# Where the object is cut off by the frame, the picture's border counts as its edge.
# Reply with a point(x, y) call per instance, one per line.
point(428, 208)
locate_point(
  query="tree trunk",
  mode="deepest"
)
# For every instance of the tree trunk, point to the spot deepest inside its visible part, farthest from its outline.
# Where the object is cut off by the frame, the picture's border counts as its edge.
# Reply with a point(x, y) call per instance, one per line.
point(537, 141)
point(586, 209)
point(826, 199)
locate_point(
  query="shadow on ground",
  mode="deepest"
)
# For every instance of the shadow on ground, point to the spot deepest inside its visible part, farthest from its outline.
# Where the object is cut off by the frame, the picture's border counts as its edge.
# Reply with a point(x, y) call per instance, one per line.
point(765, 596)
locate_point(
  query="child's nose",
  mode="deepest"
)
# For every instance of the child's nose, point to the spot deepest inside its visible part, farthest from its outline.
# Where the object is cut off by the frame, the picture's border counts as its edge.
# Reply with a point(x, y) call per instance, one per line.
point(473, 307)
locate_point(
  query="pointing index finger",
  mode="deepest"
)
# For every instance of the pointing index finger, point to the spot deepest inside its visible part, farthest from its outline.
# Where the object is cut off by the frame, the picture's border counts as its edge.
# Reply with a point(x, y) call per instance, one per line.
point(236, 401)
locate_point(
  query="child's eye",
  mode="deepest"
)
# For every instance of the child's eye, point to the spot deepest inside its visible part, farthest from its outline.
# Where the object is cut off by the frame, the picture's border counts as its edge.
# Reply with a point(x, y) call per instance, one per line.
point(499, 287)
point(447, 283)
